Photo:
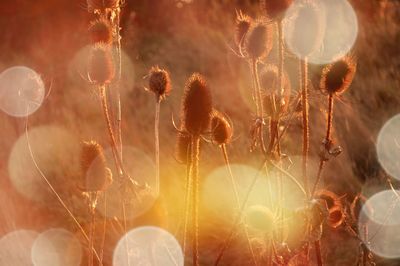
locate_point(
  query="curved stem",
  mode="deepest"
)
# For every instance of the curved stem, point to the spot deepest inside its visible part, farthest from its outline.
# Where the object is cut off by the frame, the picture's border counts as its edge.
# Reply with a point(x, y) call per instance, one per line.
point(327, 140)
point(157, 144)
point(103, 238)
point(195, 198)
point(235, 192)
point(59, 199)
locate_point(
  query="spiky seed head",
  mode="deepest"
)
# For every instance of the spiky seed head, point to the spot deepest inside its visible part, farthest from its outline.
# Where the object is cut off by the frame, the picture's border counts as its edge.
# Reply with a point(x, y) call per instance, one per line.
point(258, 43)
point(221, 130)
point(94, 168)
point(260, 218)
point(102, 4)
point(183, 148)
point(336, 217)
point(338, 76)
point(196, 105)
point(101, 66)
point(159, 82)
point(275, 9)
point(243, 24)
point(101, 31)
point(269, 82)
point(306, 28)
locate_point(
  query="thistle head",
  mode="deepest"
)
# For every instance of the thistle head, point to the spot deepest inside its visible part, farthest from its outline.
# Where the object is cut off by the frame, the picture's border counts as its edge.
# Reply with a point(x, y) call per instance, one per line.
point(221, 129)
point(258, 42)
point(196, 106)
point(183, 148)
point(93, 165)
point(101, 31)
point(275, 9)
point(243, 24)
point(338, 76)
point(101, 66)
point(159, 82)
point(305, 30)
point(102, 4)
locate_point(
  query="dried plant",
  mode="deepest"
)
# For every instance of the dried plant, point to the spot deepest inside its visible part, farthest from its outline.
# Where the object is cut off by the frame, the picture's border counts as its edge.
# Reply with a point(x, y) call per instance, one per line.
point(100, 31)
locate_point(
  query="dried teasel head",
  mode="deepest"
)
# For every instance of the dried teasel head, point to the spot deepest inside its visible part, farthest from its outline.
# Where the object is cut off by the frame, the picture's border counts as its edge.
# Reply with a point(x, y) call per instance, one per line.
point(101, 66)
point(275, 9)
point(221, 129)
point(260, 218)
point(159, 82)
point(331, 198)
point(306, 27)
point(269, 82)
point(183, 148)
point(101, 31)
point(196, 106)
point(258, 42)
point(336, 217)
point(243, 24)
point(338, 76)
point(102, 4)
point(94, 168)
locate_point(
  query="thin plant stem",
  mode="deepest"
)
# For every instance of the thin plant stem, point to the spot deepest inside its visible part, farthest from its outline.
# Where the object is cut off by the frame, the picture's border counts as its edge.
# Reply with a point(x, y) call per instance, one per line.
point(157, 144)
point(103, 238)
point(235, 192)
point(195, 198)
point(119, 118)
point(187, 207)
point(317, 245)
point(304, 99)
point(60, 200)
point(259, 96)
point(327, 139)
point(92, 209)
point(229, 239)
point(113, 142)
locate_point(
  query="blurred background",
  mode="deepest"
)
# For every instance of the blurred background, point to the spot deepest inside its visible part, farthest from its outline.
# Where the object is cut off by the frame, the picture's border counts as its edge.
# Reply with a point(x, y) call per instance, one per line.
point(183, 37)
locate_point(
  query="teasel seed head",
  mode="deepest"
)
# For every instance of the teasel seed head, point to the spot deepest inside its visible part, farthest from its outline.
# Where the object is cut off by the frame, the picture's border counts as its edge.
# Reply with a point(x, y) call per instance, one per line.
point(101, 66)
point(243, 24)
point(260, 218)
point(196, 106)
point(269, 82)
point(101, 31)
point(336, 217)
point(94, 168)
point(258, 42)
point(159, 82)
point(102, 4)
point(331, 198)
point(338, 76)
point(221, 129)
point(275, 9)
point(183, 148)
point(306, 28)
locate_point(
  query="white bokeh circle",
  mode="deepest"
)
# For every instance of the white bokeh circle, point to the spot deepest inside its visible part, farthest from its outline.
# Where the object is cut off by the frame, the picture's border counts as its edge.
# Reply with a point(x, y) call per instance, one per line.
point(15, 248)
point(21, 91)
point(148, 246)
point(388, 147)
point(56, 247)
point(379, 224)
point(339, 36)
